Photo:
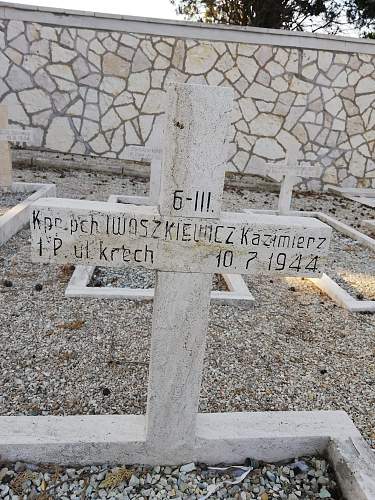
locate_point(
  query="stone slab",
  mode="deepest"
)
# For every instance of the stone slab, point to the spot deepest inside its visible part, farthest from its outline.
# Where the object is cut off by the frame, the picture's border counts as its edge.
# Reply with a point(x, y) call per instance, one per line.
point(83, 232)
point(18, 217)
point(343, 228)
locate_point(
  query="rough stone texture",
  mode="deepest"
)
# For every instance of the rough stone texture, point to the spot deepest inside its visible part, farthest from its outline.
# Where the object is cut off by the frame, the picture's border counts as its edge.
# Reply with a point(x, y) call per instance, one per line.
point(324, 100)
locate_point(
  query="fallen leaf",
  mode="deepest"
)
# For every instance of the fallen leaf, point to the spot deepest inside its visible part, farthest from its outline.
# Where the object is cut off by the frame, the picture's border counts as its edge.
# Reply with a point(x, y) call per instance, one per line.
point(73, 325)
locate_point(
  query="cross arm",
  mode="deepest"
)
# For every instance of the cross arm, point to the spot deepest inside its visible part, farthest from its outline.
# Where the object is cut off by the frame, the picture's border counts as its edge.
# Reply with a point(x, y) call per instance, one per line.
point(276, 171)
point(94, 233)
point(142, 153)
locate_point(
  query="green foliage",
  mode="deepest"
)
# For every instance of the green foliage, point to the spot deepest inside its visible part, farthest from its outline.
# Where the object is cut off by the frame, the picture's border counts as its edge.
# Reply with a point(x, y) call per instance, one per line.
point(330, 16)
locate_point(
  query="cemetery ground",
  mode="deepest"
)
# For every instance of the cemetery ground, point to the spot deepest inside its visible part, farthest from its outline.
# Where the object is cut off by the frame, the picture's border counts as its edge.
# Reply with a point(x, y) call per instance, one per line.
point(294, 350)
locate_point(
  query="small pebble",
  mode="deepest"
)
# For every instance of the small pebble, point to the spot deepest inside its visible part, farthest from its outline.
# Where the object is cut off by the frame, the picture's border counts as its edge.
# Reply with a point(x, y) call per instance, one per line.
point(187, 467)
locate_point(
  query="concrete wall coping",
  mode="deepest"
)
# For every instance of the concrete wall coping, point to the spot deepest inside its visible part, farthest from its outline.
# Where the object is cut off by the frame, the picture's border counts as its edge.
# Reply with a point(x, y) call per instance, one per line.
point(183, 29)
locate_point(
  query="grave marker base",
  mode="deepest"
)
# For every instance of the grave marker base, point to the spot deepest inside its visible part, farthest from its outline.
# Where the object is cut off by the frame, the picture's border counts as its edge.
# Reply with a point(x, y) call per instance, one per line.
point(18, 217)
point(220, 437)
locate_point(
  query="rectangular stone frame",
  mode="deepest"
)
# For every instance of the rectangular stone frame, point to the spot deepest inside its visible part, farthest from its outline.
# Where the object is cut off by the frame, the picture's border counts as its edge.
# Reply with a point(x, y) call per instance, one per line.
point(18, 217)
point(327, 284)
point(238, 294)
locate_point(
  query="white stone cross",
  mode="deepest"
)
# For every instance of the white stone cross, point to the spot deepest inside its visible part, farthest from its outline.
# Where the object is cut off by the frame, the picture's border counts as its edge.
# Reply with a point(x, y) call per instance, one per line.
point(186, 239)
point(9, 135)
point(286, 172)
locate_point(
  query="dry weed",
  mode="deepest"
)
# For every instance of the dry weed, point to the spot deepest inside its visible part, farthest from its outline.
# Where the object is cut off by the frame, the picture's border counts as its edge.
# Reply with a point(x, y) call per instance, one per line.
point(114, 479)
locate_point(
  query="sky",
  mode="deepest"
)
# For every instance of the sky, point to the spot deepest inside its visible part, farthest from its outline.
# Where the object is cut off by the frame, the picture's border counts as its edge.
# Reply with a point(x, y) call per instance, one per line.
point(144, 8)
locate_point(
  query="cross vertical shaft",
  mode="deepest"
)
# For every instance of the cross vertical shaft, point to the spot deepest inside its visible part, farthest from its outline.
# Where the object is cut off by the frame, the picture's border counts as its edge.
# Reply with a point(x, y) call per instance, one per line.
point(191, 185)
point(5, 155)
point(180, 320)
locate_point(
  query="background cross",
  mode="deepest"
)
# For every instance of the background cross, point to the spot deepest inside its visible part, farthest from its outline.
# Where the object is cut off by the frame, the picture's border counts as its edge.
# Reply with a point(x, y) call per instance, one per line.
point(8, 135)
point(286, 172)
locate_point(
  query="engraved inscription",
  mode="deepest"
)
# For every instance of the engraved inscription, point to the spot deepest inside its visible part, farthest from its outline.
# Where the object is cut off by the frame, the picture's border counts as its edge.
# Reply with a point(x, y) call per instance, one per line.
point(242, 244)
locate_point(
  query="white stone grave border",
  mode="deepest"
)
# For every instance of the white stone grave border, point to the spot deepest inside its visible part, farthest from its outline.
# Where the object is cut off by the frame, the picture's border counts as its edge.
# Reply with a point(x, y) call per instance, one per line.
point(18, 216)
point(325, 283)
point(229, 438)
point(364, 196)
point(238, 295)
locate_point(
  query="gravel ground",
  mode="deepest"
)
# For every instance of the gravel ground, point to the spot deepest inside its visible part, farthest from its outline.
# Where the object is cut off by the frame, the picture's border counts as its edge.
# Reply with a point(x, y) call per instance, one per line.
point(9, 200)
point(295, 350)
point(308, 478)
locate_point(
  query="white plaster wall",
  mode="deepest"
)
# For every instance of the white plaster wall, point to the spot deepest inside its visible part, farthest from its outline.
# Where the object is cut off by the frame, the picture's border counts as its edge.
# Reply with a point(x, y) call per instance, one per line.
point(91, 85)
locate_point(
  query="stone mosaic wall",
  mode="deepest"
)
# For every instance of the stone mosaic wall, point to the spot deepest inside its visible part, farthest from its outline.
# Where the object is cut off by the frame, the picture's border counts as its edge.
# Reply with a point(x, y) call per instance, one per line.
point(94, 92)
